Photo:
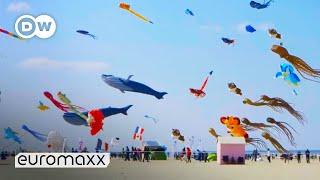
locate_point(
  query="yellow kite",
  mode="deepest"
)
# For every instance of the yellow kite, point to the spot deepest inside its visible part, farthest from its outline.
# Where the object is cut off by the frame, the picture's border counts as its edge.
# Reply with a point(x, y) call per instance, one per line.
point(127, 7)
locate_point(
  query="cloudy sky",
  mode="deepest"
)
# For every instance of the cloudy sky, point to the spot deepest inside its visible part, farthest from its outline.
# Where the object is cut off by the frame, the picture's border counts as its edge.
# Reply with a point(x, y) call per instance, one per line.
point(172, 55)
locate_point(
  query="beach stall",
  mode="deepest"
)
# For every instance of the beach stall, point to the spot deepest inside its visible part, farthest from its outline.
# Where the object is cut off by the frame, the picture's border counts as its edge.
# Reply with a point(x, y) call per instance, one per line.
point(231, 150)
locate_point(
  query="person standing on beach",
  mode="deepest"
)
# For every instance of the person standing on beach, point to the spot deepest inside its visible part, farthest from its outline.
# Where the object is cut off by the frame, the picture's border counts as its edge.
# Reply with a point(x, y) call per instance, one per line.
point(188, 155)
point(308, 156)
point(269, 155)
point(299, 157)
point(127, 157)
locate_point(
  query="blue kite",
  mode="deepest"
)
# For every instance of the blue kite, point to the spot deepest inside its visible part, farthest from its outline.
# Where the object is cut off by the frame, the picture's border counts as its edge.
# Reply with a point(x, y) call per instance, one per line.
point(228, 41)
point(250, 29)
point(37, 135)
point(86, 33)
point(75, 119)
point(10, 134)
point(133, 86)
point(257, 5)
point(152, 118)
point(287, 74)
point(189, 12)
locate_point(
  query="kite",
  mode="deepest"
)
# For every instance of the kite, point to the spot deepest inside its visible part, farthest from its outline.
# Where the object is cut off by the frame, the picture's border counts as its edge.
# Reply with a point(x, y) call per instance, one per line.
point(233, 88)
point(274, 33)
point(10, 134)
point(127, 8)
point(250, 29)
point(10, 34)
point(274, 142)
point(284, 127)
point(228, 41)
point(154, 119)
point(72, 108)
point(138, 133)
point(59, 105)
point(42, 107)
point(200, 92)
point(128, 85)
point(37, 135)
point(261, 126)
point(214, 133)
point(177, 135)
point(99, 145)
point(300, 65)
point(115, 141)
point(287, 74)
point(86, 33)
point(257, 5)
point(277, 104)
point(189, 12)
point(55, 142)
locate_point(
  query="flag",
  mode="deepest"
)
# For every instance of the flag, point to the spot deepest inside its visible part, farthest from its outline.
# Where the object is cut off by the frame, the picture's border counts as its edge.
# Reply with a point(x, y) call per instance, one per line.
point(138, 133)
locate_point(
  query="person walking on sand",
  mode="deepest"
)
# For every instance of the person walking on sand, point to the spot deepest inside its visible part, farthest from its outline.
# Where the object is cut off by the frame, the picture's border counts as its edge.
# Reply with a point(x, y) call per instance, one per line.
point(308, 156)
point(269, 155)
point(299, 157)
point(127, 156)
point(188, 155)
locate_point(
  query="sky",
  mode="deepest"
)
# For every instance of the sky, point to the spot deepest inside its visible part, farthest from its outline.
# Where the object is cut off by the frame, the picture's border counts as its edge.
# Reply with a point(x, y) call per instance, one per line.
point(172, 55)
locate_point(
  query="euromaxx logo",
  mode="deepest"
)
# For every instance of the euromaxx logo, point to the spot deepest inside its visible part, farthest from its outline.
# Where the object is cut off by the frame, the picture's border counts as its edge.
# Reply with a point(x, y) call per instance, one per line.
point(42, 26)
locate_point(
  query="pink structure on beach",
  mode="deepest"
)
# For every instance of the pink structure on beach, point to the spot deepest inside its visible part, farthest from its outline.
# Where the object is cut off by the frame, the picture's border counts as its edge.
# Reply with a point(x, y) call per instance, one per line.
point(231, 150)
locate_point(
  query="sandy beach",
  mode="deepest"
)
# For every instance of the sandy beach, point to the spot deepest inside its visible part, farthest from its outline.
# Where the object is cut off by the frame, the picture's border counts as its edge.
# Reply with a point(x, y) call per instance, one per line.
point(171, 169)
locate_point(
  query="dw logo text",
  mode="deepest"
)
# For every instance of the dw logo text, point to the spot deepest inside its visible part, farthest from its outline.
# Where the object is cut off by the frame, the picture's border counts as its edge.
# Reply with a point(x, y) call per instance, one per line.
point(43, 26)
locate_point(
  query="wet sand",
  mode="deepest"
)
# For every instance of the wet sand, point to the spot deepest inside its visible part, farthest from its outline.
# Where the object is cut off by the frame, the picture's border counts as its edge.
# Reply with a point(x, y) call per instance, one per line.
point(169, 170)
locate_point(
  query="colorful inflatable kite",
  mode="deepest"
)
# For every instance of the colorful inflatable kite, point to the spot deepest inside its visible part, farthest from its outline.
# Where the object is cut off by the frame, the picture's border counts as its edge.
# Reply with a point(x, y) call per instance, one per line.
point(257, 5)
point(86, 33)
point(300, 65)
point(200, 92)
point(133, 86)
point(233, 88)
point(285, 129)
point(59, 105)
point(127, 8)
point(177, 135)
point(41, 137)
point(273, 33)
point(55, 142)
point(42, 107)
point(288, 75)
point(274, 142)
point(10, 134)
point(277, 104)
point(10, 34)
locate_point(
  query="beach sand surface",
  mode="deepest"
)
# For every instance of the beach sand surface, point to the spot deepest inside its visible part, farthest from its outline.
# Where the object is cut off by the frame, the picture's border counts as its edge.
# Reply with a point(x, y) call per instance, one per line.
point(170, 170)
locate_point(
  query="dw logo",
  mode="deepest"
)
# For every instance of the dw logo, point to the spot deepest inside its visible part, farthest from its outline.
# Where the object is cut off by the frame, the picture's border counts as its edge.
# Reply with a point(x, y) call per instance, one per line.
point(43, 26)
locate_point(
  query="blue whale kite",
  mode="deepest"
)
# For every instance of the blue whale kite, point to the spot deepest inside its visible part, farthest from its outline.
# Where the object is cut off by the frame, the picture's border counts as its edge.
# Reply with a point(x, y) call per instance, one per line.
point(128, 85)
point(74, 119)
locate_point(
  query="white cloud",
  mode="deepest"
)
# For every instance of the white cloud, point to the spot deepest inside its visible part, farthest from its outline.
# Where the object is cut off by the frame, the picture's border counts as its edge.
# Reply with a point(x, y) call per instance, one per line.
point(18, 7)
point(42, 63)
point(215, 28)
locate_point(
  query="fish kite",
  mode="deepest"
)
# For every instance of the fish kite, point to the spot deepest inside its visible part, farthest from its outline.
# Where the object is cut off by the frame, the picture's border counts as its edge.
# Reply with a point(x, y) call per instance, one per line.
point(200, 92)
point(10, 34)
point(138, 133)
point(189, 12)
point(250, 29)
point(127, 8)
point(233, 88)
point(41, 137)
point(177, 135)
point(154, 119)
point(42, 107)
point(228, 41)
point(287, 74)
point(10, 134)
point(257, 5)
point(86, 33)
point(299, 64)
point(132, 86)
point(277, 104)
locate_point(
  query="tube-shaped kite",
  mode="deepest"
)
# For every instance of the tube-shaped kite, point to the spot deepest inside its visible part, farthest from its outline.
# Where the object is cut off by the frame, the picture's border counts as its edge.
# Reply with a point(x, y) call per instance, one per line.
point(200, 92)
point(274, 142)
point(127, 8)
point(41, 137)
point(285, 129)
point(10, 34)
point(10, 134)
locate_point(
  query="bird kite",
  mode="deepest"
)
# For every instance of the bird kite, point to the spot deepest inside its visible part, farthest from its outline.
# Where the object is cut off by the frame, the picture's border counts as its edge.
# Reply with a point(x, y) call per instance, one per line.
point(233, 88)
point(277, 104)
point(127, 8)
point(10, 134)
point(132, 86)
point(41, 137)
point(42, 107)
point(86, 33)
point(228, 41)
point(300, 65)
point(257, 5)
point(189, 12)
point(288, 75)
point(250, 29)
point(10, 34)
point(200, 92)
point(138, 133)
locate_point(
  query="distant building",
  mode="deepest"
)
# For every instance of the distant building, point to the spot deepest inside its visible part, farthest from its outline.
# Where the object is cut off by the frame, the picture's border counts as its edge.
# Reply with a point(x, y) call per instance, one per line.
point(231, 150)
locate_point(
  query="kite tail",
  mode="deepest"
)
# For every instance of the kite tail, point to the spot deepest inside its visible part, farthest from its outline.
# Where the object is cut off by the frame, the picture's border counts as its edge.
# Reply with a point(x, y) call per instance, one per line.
point(160, 95)
point(277, 145)
point(140, 16)
point(125, 110)
point(39, 136)
point(257, 143)
point(93, 36)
